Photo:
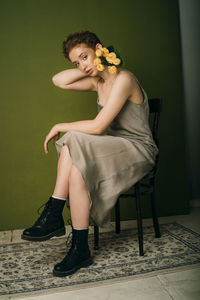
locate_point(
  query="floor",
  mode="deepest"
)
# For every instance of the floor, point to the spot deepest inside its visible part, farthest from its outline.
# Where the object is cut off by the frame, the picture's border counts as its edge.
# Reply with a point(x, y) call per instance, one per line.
point(177, 285)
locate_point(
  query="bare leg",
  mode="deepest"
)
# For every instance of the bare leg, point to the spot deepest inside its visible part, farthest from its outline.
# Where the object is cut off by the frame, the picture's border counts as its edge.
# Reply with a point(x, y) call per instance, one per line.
point(69, 182)
point(63, 170)
point(79, 200)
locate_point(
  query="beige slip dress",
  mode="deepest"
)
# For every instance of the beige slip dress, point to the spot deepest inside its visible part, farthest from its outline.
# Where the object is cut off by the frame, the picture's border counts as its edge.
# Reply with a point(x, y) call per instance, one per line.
point(112, 162)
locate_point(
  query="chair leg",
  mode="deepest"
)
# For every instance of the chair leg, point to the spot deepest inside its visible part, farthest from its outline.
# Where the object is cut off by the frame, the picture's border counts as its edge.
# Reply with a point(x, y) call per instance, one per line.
point(139, 218)
point(153, 208)
point(96, 237)
point(117, 216)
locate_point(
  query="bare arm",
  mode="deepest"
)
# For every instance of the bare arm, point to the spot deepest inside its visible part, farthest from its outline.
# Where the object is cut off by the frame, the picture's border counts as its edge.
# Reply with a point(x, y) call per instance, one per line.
point(121, 90)
point(74, 79)
point(86, 126)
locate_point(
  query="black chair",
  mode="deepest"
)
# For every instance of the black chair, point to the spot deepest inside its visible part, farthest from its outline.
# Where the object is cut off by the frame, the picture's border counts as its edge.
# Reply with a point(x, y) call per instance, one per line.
point(141, 188)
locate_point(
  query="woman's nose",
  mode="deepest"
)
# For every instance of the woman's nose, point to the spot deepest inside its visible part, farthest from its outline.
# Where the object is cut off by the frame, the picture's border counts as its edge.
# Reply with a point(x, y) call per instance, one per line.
point(83, 66)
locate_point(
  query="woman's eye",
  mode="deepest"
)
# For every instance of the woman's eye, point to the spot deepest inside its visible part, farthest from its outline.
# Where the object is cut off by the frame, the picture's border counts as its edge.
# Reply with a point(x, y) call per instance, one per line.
point(85, 57)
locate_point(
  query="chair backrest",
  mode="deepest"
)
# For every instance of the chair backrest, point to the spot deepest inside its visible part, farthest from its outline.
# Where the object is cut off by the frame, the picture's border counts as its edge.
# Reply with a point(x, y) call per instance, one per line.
point(155, 107)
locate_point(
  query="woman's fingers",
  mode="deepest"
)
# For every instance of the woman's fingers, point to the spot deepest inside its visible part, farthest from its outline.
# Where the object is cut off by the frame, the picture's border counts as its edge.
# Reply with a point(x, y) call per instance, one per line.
point(56, 137)
point(53, 134)
point(47, 140)
point(46, 146)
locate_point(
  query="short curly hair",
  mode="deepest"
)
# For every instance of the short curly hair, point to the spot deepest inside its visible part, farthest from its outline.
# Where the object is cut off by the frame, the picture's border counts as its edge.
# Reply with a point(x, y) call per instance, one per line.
point(73, 39)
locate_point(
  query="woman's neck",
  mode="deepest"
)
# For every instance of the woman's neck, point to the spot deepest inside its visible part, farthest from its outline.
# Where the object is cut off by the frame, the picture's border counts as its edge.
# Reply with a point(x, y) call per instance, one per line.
point(106, 76)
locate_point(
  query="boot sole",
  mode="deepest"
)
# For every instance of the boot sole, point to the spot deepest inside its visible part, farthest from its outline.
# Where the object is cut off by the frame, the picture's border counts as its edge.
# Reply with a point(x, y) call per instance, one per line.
point(85, 263)
point(58, 232)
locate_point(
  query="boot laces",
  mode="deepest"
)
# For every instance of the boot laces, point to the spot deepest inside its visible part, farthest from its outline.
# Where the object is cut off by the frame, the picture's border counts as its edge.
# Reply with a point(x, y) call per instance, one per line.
point(42, 214)
point(45, 205)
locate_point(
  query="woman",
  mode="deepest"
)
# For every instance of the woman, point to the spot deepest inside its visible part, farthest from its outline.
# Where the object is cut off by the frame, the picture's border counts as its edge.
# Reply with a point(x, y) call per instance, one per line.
point(99, 158)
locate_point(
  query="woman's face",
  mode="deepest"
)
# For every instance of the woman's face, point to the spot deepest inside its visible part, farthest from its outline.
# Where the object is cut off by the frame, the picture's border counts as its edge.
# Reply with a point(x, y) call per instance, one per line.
point(83, 58)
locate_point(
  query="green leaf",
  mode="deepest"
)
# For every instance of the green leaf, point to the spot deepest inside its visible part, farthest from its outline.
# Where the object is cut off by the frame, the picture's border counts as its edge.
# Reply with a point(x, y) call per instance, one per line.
point(110, 48)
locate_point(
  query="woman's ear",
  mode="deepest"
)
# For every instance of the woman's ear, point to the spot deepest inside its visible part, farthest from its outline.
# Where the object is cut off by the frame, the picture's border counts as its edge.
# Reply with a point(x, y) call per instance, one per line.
point(98, 46)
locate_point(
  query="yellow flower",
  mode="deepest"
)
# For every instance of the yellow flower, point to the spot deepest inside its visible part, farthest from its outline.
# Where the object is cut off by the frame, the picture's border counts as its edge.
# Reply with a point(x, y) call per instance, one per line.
point(104, 51)
point(116, 61)
point(98, 52)
point(109, 60)
point(100, 67)
point(97, 61)
point(112, 69)
point(110, 57)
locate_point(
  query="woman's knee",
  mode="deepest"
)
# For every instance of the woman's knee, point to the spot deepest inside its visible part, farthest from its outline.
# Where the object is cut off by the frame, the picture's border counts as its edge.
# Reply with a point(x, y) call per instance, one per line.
point(64, 149)
point(64, 152)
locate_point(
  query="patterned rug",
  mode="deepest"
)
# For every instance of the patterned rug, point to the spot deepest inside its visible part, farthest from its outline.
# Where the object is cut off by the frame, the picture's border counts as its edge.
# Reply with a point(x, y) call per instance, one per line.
point(26, 267)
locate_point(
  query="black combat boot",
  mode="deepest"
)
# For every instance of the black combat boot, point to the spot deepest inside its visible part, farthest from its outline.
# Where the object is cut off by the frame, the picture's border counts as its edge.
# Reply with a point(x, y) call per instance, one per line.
point(78, 256)
point(49, 224)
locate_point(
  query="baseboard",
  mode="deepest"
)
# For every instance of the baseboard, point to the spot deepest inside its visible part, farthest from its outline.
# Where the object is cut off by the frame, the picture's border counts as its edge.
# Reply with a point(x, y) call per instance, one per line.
point(195, 202)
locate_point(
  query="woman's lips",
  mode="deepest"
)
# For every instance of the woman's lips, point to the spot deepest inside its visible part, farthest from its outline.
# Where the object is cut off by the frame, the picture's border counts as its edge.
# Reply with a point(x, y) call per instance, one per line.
point(90, 71)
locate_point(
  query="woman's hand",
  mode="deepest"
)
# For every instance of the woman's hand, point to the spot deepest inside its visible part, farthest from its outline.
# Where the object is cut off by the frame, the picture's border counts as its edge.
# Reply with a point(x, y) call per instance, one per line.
point(53, 134)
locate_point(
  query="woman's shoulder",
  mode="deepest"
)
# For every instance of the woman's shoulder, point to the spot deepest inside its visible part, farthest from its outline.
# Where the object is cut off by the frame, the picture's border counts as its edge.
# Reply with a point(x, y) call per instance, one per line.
point(127, 73)
point(122, 74)
point(136, 95)
point(130, 76)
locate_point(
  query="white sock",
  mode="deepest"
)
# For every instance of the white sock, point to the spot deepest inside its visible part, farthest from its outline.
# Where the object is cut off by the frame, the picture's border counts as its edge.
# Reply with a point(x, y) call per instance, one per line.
point(58, 198)
point(80, 228)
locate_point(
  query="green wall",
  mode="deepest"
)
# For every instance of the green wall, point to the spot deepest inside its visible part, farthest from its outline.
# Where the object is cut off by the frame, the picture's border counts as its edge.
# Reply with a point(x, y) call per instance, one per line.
point(147, 34)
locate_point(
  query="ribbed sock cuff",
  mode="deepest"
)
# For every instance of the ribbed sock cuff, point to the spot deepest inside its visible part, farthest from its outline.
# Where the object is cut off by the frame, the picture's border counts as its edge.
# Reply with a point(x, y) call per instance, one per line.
point(81, 228)
point(58, 198)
